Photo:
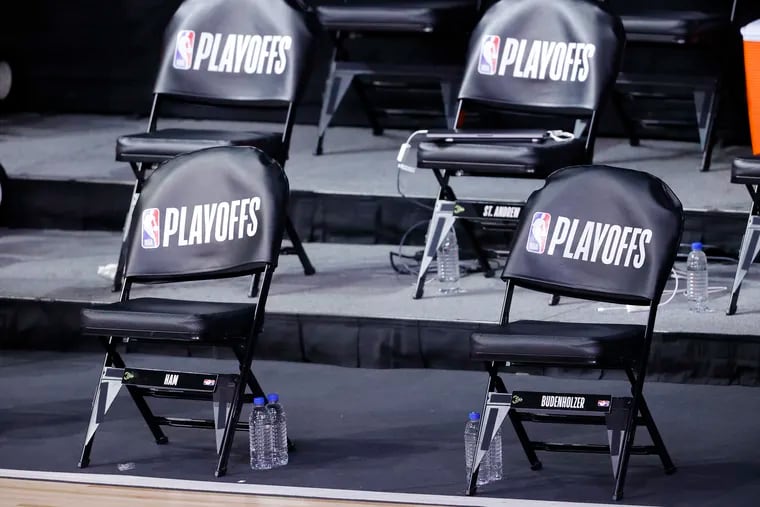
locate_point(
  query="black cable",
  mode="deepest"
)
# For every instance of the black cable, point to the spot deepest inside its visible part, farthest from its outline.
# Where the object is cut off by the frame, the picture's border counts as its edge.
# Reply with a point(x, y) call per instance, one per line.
point(407, 270)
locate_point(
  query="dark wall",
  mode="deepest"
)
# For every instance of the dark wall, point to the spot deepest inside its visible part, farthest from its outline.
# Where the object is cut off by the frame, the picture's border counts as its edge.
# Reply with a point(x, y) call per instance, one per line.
point(91, 56)
point(82, 55)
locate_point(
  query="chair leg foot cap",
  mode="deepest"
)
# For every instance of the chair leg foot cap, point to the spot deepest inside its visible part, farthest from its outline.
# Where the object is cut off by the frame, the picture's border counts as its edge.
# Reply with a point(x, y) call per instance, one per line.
point(537, 466)
point(671, 470)
point(162, 440)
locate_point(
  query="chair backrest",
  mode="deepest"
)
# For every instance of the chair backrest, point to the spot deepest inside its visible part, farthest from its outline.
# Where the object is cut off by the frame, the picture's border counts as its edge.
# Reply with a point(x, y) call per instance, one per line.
point(210, 213)
point(238, 50)
point(544, 54)
point(598, 232)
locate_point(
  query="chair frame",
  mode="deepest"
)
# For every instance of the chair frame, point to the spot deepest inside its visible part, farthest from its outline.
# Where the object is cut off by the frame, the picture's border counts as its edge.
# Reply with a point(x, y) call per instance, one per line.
point(749, 249)
point(114, 369)
point(706, 92)
point(448, 209)
point(621, 415)
point(140, 170)
point(344, 73)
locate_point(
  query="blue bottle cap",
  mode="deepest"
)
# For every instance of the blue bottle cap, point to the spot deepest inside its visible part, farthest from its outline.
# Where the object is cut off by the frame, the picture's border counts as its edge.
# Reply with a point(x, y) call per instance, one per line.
point(474, 416)
point(259, 401)
point(273, 397)
point(696, 245)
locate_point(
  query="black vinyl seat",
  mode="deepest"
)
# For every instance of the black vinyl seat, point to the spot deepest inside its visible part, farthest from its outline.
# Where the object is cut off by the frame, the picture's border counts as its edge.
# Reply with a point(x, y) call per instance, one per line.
point(166, 249)
point(401, 16)
point(233, 77)
point(163, 144)
point(419, 23)
point(171, 319)
point(574, 343)
point(547, 257)
point(530, 160)
point(672, 25)
point(746, 171)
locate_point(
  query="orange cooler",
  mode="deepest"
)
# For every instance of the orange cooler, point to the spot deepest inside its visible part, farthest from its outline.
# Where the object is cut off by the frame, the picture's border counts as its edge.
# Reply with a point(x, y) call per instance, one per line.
point(751, 37)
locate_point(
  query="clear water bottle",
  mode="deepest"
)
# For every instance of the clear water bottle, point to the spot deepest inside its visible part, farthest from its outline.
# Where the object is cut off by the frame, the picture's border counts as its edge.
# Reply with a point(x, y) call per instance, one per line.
point(260, 436)
point(696, 279)
point(495, 465)
point(279, 430)
point(471, 429)
point(448, 264)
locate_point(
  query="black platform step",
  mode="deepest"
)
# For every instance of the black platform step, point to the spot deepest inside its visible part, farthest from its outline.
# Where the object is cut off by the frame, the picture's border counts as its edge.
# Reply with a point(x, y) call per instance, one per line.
point(318, 216)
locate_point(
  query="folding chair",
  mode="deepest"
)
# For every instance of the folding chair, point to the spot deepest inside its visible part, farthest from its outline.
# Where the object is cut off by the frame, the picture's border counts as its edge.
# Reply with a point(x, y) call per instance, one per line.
point(746, 171)
point(597, 233)
point(704, 31)
point(227, 53)
point(384, 20)
point(516, 67)
point(229, 223)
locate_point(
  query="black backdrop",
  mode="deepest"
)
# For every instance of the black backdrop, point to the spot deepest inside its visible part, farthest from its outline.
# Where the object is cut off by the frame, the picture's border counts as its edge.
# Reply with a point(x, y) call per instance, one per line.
point(94, 56)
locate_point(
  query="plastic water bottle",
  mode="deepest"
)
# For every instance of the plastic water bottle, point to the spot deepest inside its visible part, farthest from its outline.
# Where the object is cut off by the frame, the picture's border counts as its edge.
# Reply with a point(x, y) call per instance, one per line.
point(448, 264)
point(495, 464)
point(696, 279)
point(471, 429)
point(260, 431)
point(279, 430)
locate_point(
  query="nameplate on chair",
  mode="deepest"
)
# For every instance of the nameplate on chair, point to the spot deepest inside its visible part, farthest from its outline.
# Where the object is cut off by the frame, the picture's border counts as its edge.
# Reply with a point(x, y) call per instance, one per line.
point(488, 211)
point(571, 402)
point(170, 380)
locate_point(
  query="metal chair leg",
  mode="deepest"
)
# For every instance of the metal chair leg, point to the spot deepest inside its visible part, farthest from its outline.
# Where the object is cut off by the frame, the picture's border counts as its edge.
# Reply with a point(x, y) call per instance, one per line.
point(749, 251)
point(706, 102)
point(290, 229)
point(118, 279)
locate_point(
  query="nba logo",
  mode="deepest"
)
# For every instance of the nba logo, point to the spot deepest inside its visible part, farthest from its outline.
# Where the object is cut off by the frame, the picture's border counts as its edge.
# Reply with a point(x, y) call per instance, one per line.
point(539, 230)
point(151, 230)
point(183, 51)
point(489, 55)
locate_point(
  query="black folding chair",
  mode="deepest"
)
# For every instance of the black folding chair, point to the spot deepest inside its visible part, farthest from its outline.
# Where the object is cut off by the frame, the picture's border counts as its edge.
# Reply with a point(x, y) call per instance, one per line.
point(233, 54)
point(706, 35)
point(521, 89)
point(597, 233)
point(229, 223)
point(425, 22)
point(746, 171)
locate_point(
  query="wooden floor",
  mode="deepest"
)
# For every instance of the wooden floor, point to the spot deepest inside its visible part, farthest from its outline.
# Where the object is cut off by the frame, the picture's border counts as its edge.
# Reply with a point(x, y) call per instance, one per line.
point(29, 493)
point(50, 489)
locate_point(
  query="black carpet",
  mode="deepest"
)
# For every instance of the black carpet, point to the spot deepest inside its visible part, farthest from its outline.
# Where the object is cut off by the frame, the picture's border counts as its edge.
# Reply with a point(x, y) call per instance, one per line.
point(382, 430)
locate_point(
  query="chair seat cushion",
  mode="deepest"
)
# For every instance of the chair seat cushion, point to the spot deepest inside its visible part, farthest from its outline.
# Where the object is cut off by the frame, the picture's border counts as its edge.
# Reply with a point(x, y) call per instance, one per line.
point(400, 16)
point(169, 319)
point(559, 343)
point(746, 171)
point(513, 159)
point(690, 25)
point(164, 144)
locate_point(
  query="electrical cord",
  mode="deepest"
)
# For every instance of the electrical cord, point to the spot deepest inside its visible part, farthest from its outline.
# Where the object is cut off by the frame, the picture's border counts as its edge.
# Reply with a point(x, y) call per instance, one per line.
point(634, 308)
point(407, 270)
point(677, 275)
point(397, 259)
point(401, 165)
point(410, 199)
